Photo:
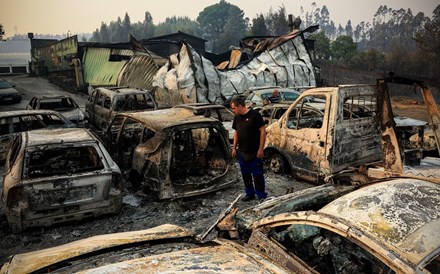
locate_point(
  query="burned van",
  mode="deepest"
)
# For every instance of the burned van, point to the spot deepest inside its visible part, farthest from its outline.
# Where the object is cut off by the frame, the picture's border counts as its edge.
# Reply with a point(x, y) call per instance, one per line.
point(171, 152)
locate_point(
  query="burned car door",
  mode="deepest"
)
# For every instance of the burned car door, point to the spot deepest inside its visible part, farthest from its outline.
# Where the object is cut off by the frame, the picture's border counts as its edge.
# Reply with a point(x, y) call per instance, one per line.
point(301, 136)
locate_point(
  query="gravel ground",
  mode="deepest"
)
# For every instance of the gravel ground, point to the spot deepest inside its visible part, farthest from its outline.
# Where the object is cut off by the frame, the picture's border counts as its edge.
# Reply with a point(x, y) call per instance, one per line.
point(140, 211)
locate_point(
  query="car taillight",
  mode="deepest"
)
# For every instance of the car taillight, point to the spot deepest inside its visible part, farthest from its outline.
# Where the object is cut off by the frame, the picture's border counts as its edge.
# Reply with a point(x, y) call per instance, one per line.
point(116, 180)
point(15, 195)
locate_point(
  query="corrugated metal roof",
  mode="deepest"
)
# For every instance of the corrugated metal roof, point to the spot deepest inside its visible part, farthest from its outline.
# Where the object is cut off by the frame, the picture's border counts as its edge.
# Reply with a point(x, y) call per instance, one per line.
point(138, 72)
point(99, 70)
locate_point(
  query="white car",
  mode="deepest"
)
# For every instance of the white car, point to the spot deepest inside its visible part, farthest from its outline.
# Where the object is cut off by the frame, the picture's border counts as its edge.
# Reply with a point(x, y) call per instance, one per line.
point(57, 175)
point(61, 103)
point(260, 97)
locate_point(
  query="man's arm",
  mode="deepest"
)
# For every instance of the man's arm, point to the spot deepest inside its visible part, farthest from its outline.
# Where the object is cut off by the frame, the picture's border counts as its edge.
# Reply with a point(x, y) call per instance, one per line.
point(260, 152)
point(234, 144)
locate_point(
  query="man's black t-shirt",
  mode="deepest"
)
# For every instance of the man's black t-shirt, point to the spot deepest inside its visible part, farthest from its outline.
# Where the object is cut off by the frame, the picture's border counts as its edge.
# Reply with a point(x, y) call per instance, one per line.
point(248, 133)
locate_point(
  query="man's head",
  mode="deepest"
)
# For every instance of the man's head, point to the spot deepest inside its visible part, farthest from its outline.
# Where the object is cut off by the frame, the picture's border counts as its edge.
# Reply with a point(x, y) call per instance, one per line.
point(238, 105)
point(275, 93)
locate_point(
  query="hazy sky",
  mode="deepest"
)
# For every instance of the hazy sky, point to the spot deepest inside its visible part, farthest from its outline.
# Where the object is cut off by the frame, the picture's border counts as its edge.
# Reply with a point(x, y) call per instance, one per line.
point(84, 16)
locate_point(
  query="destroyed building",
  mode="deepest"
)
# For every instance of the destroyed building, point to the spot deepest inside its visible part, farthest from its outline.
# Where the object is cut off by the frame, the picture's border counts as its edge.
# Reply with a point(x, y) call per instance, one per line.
point(181, 71)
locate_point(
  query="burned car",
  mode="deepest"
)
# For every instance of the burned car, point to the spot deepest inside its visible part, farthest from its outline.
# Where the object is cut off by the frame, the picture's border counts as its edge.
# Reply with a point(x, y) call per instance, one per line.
point(390, 226)
point(162, 249)
point(387, 227)
point(104, 102)
point(58, 175)
point(216, 111)
point(338, 129)
point(14, 122)
point(61, 103)
point(171, 151)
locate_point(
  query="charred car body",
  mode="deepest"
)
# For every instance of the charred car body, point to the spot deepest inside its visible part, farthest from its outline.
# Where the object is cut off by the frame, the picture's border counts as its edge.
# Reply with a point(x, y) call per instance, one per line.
point(338, 129)
point(172, 151)
point(14, 122)
point(162, 249)
point(59, 175)
point(104, 102)
point(386, 227)
point(216, 111)
point(61, 103)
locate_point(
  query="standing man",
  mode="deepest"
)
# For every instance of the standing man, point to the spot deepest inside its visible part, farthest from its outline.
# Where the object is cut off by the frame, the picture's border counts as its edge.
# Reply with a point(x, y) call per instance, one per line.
point(249, 136)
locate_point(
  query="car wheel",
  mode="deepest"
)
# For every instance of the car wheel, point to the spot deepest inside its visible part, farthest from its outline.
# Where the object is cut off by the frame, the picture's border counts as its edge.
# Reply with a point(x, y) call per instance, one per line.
point(277, 163)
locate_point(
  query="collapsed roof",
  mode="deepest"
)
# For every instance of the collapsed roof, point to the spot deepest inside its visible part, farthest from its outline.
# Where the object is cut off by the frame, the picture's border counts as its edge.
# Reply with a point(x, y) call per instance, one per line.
point(188, 77)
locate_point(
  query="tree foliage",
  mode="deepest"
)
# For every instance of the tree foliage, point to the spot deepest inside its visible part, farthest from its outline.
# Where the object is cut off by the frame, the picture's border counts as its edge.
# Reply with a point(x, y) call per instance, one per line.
point(393, 40)
point(259, 27)
point(322, 45)
point(223, 24)
point(175, 24)
point(276, 22)
point(2, 32)
point(343, 48)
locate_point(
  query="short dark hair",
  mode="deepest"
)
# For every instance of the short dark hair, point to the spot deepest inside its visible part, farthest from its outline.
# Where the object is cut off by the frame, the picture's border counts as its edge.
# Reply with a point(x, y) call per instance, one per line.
point(238, 101)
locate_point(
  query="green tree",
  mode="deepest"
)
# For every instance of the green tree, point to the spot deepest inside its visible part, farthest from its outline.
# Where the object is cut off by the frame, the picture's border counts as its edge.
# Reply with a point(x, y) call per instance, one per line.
point(175, 24)
point(215, 18)
point(343, 48)
point(104, 33)
point(349, 29)
point(428, 40)
point(276, 22)
point(144, 29)
point(126, 25)
point(96, 36)
point(258, 27)
point(322, 45)
point(2, 31)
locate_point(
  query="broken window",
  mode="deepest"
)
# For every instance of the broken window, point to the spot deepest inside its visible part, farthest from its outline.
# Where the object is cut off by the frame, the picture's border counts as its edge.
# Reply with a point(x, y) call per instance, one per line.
point(326, 251)
point(4, 126)
point(129, 138)
point(357, 107)
point(63, 161)
point(57, 104)
point(307, 115)
point(197, 152)
point(14, 150)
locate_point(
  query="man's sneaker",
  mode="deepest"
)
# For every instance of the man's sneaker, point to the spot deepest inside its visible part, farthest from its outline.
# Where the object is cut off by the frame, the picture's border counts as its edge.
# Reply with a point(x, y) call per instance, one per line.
point(247, 198)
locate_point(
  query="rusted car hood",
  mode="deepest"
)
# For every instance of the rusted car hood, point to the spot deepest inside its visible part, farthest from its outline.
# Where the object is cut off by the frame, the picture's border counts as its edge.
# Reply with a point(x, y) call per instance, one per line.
point(383, 211)
point(74, 114)
point(32, 261)
point(219, 256)
point(225, 258)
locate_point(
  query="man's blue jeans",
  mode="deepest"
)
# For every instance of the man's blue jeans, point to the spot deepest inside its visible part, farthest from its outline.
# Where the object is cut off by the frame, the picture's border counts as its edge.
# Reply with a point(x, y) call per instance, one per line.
point(253, 176)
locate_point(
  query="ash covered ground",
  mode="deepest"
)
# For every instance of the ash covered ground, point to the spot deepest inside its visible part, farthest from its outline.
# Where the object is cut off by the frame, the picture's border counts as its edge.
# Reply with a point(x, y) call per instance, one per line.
point(140, 211)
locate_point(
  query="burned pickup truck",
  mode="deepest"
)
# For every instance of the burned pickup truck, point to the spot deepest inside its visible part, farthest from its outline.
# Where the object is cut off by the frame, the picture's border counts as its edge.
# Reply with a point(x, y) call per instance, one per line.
point(319, 137)
point(171, 152)
point(338, 130)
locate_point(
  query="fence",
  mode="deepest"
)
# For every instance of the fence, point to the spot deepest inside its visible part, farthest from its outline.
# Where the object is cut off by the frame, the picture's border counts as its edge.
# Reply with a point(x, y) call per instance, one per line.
point(13, 69)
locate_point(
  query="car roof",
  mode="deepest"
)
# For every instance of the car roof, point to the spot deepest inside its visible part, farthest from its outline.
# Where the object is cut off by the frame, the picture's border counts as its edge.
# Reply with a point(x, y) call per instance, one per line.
point(402, 212)
point(55, 136)
point(16, 113)
point(52, 96)
point(270, 90)
point(114, 91)
point(164, 118)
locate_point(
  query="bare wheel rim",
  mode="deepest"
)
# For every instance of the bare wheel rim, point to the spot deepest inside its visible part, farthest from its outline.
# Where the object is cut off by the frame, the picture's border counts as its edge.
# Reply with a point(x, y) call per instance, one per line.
point(276, 164)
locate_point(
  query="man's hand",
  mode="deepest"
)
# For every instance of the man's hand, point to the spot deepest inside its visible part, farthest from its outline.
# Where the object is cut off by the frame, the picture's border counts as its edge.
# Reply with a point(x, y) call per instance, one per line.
point(260, 153)
point(234, 152)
